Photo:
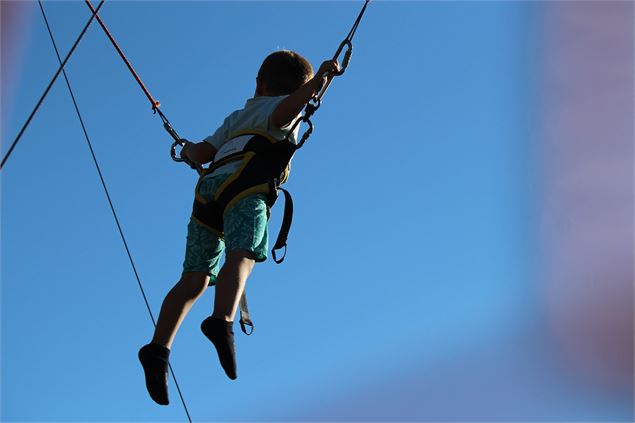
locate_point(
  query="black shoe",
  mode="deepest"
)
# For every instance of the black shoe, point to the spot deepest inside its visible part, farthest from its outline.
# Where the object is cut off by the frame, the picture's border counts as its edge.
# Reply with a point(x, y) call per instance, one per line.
point(221, 333)
point(154, 359)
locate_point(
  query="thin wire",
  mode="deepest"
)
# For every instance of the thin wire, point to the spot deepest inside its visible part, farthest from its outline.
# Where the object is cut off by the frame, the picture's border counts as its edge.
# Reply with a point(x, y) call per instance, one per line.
point(112, 207)
point(46, 91)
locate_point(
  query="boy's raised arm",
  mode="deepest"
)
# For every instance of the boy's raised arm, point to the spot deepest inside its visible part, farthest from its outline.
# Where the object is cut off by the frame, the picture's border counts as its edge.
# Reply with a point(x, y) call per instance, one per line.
point(291, 106)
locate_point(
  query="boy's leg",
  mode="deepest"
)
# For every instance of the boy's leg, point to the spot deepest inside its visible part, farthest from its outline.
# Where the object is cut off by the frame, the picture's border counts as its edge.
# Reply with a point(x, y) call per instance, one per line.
point(230, 285)
point(246, 239)
point(154, 357)
point(177, 304)
point(203, 251)
point(202, 254)
point(245, 226)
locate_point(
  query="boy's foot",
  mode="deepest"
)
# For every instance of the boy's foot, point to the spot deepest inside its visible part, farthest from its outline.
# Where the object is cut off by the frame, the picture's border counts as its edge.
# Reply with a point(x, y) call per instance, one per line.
point(221, 333)
point(154, 358)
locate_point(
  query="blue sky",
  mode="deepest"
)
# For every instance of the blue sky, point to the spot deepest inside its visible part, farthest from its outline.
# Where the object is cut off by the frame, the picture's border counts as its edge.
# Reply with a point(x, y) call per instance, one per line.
point(413, 250)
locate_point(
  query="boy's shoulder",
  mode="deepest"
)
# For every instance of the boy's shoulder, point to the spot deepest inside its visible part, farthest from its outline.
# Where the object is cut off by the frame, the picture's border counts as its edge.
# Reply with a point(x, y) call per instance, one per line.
point(257, 107)
point(263, 100)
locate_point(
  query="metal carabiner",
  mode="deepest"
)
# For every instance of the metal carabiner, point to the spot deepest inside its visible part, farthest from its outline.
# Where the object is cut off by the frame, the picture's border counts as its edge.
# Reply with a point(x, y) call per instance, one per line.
point(312, 106)
point(347, 55)
point(178, 141)
point(175, 157)
point(347, 58)
point(307, 133)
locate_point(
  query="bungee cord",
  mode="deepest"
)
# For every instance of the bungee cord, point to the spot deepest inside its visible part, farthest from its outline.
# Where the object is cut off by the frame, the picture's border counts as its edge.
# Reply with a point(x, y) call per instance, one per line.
point(108, 197)
point(155, 104)
point(178, 141)
point(347, 42)
point(316, 101)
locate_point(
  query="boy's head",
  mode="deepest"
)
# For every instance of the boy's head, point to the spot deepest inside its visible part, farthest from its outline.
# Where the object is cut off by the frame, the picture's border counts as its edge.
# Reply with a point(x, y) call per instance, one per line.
point(282, 72)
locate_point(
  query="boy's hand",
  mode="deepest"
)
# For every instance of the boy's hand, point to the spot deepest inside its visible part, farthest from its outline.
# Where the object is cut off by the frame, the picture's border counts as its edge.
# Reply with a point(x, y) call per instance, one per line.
point(328, 68)
point(186, 146)
point(197, 153)
point(289, 108)
point(184, 155)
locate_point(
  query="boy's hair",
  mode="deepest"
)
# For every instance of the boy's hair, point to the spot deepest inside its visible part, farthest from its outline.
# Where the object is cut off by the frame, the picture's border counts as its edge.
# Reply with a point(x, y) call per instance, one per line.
point(284, 72)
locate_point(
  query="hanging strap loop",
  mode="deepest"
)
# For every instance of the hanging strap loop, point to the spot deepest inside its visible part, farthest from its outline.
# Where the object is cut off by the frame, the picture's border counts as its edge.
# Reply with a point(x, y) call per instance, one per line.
point(281, 241)
point(245, 318)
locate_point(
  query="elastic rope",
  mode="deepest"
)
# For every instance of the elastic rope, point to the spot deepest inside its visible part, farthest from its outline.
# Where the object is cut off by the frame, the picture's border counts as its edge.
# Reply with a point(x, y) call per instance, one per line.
point(317, 98)
point(46, 91)
point(351, 33)
point(155, 104)
point(110, 203)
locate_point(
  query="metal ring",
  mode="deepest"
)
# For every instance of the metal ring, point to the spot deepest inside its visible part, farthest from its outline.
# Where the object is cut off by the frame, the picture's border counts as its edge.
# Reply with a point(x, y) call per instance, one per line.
point(175, 157)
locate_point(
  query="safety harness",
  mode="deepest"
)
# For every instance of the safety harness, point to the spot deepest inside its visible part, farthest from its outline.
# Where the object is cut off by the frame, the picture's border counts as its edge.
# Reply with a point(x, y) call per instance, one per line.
point(264, 164)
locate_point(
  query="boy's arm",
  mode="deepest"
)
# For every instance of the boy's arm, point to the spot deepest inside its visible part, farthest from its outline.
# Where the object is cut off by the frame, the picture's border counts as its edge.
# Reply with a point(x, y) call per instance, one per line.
point(292, 105)
point(199, 153)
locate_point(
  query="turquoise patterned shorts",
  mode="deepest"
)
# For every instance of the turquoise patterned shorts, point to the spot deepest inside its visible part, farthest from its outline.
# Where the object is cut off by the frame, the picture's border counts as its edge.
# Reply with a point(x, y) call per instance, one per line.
point(245, 229)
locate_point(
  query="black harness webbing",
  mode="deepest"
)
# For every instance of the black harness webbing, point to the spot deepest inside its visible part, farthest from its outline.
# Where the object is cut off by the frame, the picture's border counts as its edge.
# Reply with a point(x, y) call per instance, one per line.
point(245, 319)
point(263, 167)
point(287, 218)
point(281, 242)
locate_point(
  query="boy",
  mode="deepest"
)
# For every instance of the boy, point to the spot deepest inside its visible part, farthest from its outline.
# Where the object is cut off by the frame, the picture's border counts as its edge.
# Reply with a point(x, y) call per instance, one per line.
point(285, 83)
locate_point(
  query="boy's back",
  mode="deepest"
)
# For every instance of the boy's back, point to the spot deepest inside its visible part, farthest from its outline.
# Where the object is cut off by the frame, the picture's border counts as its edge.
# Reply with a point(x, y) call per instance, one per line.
point(254, 117)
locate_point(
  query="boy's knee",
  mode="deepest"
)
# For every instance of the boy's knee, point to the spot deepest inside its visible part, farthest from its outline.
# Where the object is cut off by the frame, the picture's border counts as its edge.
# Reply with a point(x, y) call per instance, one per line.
point(194, 281)
point(241, 258)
